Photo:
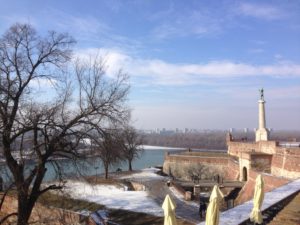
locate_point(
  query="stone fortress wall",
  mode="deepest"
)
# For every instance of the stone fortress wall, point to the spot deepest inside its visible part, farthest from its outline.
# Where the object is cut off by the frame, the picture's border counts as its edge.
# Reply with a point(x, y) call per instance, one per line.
point(263, 156)
point(179, 164)
point(283, 161)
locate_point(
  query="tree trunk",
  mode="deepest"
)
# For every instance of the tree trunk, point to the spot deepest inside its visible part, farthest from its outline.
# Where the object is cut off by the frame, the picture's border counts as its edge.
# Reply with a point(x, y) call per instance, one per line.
point(23, 210)
point(26, 202)
point(130, 165)
point(106, 172)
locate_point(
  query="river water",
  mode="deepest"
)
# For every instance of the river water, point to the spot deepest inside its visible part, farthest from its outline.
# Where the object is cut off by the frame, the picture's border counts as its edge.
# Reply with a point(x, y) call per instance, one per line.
point(93, 166)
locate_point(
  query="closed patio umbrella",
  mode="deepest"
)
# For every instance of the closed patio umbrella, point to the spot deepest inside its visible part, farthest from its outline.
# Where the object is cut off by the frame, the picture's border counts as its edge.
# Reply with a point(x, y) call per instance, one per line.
point(213, 213)
point(169, 211)
point(256, 215)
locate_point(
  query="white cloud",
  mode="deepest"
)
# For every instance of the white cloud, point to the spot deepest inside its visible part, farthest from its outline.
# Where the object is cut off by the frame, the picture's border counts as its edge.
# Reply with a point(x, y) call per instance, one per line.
point(182, 74)
point(164, 73)
point(114, 59)
point(260, 11)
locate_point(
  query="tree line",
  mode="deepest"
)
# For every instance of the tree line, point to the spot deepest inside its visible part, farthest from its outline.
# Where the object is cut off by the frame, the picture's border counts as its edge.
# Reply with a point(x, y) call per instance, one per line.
point(215, 140)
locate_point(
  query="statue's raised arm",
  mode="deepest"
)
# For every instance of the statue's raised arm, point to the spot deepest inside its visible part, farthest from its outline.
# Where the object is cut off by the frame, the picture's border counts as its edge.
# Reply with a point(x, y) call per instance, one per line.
point(261, 91)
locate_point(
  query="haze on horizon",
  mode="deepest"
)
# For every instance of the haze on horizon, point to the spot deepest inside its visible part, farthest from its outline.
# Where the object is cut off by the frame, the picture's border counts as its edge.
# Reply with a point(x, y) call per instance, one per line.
point(193, 64)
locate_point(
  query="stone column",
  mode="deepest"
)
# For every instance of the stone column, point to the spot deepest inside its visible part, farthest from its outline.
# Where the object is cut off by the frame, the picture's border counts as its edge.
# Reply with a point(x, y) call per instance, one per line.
point(261, 115)
point(262, 134)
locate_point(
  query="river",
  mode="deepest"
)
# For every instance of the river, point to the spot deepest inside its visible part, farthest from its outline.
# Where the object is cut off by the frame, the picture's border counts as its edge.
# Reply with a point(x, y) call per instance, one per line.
point(151, 156)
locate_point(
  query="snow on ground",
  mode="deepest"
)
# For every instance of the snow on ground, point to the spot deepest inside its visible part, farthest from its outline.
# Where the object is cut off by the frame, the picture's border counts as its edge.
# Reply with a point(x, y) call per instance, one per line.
point(114, 197)
point(144, 175)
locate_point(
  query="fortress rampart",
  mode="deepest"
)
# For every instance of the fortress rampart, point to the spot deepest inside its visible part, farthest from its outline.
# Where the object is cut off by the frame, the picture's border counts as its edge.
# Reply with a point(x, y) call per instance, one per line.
point(180, 164)
point(286, 162)
point(198, 157)
point(278, 160)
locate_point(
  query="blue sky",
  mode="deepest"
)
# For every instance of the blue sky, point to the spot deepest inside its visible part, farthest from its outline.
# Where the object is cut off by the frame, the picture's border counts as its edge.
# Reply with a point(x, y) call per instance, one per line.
point(194, 64)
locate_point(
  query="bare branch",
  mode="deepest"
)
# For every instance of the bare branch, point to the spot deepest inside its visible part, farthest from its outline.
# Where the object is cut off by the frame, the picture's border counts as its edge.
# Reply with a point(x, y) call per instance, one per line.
point(51, 187)
point(7, 216)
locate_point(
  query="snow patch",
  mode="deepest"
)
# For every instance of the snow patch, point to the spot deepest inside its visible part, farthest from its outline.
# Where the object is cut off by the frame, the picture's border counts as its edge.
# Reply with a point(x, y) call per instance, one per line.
point(114, 197)
point(145, 174)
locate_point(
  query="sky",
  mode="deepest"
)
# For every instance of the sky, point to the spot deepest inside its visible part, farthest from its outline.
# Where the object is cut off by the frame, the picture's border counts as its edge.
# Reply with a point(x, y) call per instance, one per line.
point(192, 64)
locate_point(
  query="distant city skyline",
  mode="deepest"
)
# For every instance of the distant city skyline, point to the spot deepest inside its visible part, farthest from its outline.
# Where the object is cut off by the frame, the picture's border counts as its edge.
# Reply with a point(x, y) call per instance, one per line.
point(192, 64)
point(200, 130)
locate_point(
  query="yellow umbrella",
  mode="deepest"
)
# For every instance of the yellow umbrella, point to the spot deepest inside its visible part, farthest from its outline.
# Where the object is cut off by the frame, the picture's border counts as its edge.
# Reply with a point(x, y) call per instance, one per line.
point(213, 213)
point(169, 211)
point(255, 215)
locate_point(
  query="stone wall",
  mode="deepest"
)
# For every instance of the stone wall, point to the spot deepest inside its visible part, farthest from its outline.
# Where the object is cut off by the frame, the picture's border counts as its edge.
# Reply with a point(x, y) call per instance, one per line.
point(236, 147)
point(42, 214)
point(268, 147)
point(283, 161)
point(286, 162)
point(178, 165)
point(232, 171)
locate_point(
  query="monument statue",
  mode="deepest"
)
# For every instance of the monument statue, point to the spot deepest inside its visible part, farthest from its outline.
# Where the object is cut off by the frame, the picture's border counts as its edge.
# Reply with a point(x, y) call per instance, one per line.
point(261, 91)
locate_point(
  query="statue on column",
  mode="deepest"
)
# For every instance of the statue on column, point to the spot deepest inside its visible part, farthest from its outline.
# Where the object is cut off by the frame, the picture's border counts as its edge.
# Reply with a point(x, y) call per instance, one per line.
point(261, 91)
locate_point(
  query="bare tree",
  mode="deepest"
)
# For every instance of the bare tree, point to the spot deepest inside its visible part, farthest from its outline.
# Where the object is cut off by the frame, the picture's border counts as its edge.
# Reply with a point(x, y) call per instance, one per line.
point(131, 145)
point(198, 172)
point(43, 129)
point(108, 148)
